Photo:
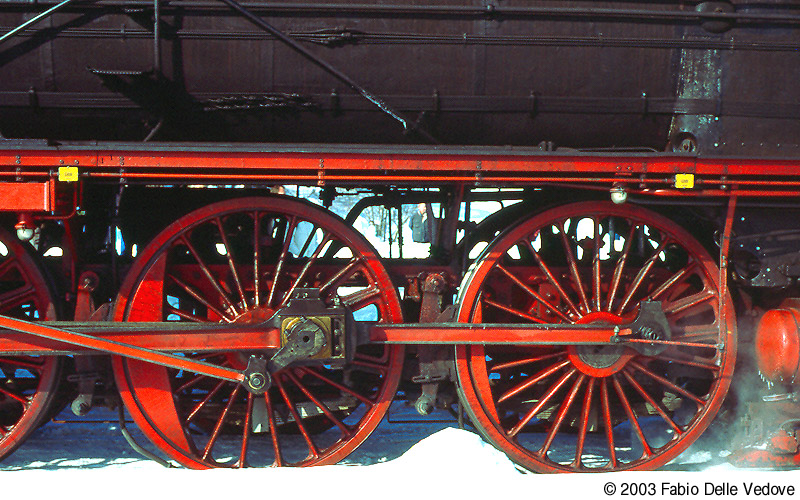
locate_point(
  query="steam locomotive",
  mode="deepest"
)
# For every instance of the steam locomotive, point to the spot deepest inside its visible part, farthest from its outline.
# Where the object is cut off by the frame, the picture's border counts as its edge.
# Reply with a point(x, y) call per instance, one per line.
point(609, 189)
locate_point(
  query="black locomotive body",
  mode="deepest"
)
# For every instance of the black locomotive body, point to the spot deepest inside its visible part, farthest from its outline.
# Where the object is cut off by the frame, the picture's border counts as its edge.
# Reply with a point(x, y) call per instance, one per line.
point(717, 76)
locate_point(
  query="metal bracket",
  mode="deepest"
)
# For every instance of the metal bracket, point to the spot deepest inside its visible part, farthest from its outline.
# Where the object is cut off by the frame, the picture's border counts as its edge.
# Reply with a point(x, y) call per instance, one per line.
point(86, 382)
point(305, 339)
point(650, 324)
point(257, 379)
point(313, 332)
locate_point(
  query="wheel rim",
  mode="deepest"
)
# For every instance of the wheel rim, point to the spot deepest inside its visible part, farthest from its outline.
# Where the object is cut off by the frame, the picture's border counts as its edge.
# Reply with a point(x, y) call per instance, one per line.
point(201, 269)
point(596, 408)
point(27, 383)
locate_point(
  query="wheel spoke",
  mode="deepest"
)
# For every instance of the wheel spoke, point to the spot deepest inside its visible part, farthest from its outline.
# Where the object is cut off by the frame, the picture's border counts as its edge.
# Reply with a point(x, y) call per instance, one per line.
point(282, 259)
point(376, 367)
point(542, 402)
point(313, 452)
point(623, 259)
point(608, 424)
point(551, 279)
point(511, 310)
point(13, 395)
point(257, 259)
point(676, 279)
point(226, 301)
point(311, 260)
point(681, 307)
point(322, 406)
point(632, 417)
point(532, 380)
point(307, 243)
point(525, 361)
point(689, 360)
point(640, 276)
point(15, 298)
point(199, 297)
point(573, 267)
point(191, 383)
point(273, 430)
point(218, 427)
point(596, 294)
point(184, 315)
point(585, 415)
point(666, 383)
point(341, 387)
point(530, 291)
point(696, 333)
point(9, 264)
point(562, 412)
point(204, 401)
point(22, 363)
point(652, 402)
point(231, 264)
point(343, 275)
point(362, 298)
point(246, 431)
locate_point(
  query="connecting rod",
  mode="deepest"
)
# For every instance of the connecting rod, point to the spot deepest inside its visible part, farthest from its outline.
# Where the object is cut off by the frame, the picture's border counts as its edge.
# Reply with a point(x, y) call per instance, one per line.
point(649, 333)
point(121, 349)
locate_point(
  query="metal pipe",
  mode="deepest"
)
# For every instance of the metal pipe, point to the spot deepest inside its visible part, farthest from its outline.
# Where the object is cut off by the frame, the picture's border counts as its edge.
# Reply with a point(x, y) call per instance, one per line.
point(590, 13)
point(156, 37)
point(133, 444)
point(440, 38)
point(725, 309)
point(34, 20)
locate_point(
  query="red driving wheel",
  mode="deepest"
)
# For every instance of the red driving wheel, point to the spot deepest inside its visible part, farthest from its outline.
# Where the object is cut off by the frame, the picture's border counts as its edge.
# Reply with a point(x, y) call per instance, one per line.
point(239, 261)
point(581, 408)
point(28, 384)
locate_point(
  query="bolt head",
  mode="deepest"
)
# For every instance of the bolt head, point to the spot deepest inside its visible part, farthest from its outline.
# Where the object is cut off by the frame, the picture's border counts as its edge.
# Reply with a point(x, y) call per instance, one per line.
point(619, 195)
point(256, 380)
point(24, 233)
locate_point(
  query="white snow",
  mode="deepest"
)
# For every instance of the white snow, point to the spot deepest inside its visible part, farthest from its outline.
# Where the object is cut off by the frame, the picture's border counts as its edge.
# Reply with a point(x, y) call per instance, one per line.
point(406, 457)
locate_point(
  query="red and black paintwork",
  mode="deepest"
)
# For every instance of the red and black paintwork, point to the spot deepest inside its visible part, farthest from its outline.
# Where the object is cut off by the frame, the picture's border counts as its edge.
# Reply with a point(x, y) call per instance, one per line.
point(685, 114)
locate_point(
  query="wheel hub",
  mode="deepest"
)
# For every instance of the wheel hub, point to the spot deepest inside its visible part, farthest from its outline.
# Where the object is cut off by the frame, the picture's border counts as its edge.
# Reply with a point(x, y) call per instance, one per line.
point(599, 360)
point(600, 356)
point(255, 315)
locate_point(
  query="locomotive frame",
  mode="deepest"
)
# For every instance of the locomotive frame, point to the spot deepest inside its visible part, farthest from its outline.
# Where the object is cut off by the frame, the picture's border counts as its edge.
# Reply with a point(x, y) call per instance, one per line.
point(54, 180)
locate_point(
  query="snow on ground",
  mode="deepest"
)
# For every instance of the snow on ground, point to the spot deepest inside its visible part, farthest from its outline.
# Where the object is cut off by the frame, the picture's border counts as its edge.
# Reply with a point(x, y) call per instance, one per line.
point(407, 456)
